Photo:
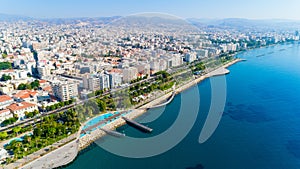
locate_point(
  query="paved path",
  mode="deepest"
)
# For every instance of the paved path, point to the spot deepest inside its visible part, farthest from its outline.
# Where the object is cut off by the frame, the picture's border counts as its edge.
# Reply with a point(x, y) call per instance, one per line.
point(56, 158)
point(36, 159)
point(166, 103)
point(218, 72)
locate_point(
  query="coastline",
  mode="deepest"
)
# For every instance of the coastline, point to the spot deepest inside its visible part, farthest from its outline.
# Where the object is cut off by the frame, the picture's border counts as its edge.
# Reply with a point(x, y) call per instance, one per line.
point(86, 140)
point(83, 142)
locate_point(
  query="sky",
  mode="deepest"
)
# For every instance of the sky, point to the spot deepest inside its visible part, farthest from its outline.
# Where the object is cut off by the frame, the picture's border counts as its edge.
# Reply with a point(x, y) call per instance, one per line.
point(213, 9)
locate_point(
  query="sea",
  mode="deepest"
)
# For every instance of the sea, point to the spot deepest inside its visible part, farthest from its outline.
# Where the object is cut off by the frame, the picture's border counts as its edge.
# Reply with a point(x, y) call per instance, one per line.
point(259, 127)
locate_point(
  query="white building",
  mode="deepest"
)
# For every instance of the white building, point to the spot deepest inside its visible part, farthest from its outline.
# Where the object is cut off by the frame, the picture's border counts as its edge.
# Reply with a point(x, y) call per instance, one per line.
point(104, 81)
point(202, 53)
point(232, 47)
point(5, 114)
point(6, 88)
point(91, 83)
point(144, 68)
point(5, 101)
point(177, 60)
point(129, 74)
point(190, 57)
point(154, 66)
point(44, 71)
point(19, 109)
point(65, 90)
point(115, 79)
point(163, 65)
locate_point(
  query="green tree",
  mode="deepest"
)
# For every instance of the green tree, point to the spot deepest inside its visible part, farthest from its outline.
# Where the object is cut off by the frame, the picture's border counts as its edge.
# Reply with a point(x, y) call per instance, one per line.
point(9, 121)
point(35, 84)
point(22, 86)
point(5, 77)
point(16, 130)
point(101, 105)
point(3, 135)
point(5, 65)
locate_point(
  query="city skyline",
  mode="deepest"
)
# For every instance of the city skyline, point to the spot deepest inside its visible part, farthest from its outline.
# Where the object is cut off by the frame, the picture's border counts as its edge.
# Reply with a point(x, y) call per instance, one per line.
point(214, 9)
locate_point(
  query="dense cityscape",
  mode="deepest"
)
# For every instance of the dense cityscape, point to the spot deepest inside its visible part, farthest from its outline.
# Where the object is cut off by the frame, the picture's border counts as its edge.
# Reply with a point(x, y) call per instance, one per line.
point(47, 68)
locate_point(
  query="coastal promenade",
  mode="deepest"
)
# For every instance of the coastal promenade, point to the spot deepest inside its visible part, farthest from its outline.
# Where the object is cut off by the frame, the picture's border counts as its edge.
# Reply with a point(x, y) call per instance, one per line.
point(59, 157)
point(98, 133)
point(36, 160)
point(63, 155)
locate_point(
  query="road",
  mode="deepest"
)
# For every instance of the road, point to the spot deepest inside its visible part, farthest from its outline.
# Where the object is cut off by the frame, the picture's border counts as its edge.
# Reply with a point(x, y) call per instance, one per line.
point(38, 118)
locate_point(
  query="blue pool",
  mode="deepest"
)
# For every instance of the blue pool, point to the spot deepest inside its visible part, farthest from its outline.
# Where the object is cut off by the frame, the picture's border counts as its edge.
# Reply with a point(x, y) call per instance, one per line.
point(19, 139)
point(100, 118)
point(95, 121)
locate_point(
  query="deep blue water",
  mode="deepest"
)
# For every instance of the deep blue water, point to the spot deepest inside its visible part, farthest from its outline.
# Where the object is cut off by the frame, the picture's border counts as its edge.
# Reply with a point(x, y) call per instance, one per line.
point(260, 127)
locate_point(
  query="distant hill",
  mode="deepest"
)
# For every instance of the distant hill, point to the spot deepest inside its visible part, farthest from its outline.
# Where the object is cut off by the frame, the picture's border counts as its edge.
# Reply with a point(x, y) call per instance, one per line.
point(7, 17)
point(154, 18)
point(241, 23)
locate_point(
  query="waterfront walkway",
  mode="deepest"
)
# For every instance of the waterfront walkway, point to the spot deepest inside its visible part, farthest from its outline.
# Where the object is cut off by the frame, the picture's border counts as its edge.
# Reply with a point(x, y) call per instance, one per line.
point(59, 157)
point(38, 158)
point(218, 72)
point(67, 153)
point(166, 103)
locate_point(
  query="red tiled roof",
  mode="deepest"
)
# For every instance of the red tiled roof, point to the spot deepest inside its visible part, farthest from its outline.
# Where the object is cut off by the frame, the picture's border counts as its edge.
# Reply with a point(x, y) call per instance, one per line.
point(8, 71)
point(43, 81)
point(20, 106)
point(4, 111)
point(4, 98)
point(116, 71)
point(47, 88)
point(23, 94)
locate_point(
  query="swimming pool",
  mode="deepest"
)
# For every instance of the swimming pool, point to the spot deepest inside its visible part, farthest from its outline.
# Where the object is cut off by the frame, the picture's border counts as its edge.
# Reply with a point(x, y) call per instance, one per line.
point(18, 139)
point(95, 121)
point(101, 118)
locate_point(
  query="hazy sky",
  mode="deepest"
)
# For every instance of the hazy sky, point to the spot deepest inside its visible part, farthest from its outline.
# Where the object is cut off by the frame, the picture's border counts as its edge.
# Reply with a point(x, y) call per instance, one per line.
point(253, 9)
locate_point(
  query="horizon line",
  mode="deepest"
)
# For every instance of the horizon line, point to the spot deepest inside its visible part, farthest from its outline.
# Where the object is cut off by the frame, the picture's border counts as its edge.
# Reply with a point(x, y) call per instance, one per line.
point(111, 16)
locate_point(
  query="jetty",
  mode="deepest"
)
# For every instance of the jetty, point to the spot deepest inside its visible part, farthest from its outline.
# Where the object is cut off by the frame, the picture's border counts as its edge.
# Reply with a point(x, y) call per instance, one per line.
point(113, 133)
point(137, 125)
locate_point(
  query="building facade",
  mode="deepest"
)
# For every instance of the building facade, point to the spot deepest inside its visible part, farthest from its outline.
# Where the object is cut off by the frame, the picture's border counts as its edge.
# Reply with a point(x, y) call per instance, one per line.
point(64, 90)
point(104, 81)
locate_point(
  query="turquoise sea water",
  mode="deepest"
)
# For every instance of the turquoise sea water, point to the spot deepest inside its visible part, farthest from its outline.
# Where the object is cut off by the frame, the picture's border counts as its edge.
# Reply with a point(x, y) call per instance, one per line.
point(260, 127)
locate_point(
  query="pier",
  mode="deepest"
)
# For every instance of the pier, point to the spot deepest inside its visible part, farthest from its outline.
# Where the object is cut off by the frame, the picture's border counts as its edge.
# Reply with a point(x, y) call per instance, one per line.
point(138, 125)
point(112, 133)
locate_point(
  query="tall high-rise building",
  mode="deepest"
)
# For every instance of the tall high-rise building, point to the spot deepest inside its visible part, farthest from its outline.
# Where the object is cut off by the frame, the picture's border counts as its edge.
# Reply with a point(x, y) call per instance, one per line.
point(144, 68)
point(190, 57)
point(44, 71)
point(104, 81)
point(115, 79)
point(64, 90)
point(129, 74)
point(90, 82)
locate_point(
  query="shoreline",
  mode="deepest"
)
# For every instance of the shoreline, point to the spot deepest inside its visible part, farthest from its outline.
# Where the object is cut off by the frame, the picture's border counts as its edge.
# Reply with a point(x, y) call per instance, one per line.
point(86, 140)
point(180, 89)
point(82, 143)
